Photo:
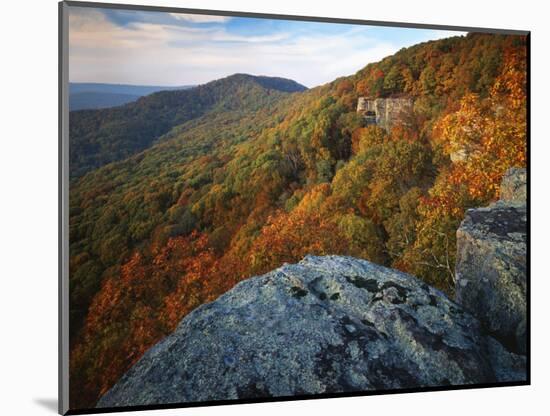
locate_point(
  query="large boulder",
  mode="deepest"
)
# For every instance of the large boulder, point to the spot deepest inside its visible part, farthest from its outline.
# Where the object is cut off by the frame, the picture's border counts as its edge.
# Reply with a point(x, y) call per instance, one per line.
point(325, 325)
point(491, 263)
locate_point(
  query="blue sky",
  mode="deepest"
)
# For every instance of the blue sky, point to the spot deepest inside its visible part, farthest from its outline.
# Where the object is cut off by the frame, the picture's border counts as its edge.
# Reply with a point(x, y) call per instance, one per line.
point(157, 48)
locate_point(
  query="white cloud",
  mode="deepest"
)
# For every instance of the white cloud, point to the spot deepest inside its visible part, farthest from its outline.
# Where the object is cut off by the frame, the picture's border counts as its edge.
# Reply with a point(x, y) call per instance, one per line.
point(163, 54)
point(222, 36)
point(200, 18)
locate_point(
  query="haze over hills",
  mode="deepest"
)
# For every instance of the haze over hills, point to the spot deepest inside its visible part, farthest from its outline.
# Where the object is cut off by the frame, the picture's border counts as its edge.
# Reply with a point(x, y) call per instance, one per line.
point(103, 136)
point(96, 100)
point(139, 90)
point(180, 195)
point(91, 95)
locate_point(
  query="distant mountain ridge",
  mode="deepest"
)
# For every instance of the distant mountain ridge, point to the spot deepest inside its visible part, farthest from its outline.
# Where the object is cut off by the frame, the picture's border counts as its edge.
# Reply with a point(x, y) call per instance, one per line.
point(99, 137)
point(92, 95)
point(78, 87)
point(97, 100)
point(273, 83)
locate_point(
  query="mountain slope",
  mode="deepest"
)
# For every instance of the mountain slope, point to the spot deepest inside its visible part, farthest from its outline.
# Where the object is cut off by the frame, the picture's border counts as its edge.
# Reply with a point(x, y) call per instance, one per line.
point(103, 136)
point(254, 182)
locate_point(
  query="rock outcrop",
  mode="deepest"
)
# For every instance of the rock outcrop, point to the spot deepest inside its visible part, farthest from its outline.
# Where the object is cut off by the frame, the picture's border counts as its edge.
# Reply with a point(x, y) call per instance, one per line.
point(491, 263)
point(514, 186)
point(384, 112)
point(325, 325)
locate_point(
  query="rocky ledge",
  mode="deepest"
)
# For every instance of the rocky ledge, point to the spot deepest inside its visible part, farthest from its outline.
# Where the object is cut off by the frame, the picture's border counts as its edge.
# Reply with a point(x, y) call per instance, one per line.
point(325, 325)
point(492, 261)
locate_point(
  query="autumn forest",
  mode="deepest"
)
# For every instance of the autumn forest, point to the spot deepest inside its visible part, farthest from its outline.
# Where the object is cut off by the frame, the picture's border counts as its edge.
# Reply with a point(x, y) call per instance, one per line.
point(178, 196)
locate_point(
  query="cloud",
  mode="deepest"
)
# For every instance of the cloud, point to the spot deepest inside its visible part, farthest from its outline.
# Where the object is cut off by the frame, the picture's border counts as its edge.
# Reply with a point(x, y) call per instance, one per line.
point(200, 18)
point(226, 37)
point(161, 53)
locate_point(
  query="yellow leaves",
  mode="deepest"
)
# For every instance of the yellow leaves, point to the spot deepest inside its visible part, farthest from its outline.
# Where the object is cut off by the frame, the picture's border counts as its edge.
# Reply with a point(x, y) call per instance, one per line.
point(313, 199)
point(289, 237)
point(491, 134)
point(366, 137)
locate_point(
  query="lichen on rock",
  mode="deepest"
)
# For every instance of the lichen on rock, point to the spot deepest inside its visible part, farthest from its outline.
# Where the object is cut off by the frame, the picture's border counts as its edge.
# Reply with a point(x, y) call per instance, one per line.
point(492, 260)
point(325, 325)
point(514, 186)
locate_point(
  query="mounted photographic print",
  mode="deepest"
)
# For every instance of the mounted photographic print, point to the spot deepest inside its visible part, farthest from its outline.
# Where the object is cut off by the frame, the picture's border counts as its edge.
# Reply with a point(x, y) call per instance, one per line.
point(264, 207)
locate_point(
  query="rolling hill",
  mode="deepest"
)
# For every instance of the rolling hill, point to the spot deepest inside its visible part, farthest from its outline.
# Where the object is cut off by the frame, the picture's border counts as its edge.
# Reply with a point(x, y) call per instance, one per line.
point(99, 137)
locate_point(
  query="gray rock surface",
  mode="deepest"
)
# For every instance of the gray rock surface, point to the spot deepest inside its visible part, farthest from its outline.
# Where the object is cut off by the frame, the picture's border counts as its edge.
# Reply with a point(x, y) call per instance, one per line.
point(384, 112)
point(325, 325)
point(491, 263)
point(514, 186)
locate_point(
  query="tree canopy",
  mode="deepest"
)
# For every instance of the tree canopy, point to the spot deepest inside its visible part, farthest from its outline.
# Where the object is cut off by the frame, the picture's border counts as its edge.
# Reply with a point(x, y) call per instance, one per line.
point(206, 191)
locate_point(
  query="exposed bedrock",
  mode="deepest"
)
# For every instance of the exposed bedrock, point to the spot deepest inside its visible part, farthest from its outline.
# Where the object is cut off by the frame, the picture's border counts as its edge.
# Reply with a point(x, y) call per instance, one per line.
point(325, 325)
point(492, 260)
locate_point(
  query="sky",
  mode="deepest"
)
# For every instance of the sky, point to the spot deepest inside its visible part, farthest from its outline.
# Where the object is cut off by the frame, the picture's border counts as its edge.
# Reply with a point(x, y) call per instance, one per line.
point(160, 48)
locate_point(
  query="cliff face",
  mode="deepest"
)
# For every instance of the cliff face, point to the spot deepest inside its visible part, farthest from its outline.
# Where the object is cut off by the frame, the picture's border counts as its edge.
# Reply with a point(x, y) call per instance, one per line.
point(325, 325)
point(491, 263)
point(383, 112)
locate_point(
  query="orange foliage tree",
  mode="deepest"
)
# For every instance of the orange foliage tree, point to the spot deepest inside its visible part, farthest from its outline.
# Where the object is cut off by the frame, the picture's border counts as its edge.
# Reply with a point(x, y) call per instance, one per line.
point(288, 237)
point(484, 137)
point(137, 307)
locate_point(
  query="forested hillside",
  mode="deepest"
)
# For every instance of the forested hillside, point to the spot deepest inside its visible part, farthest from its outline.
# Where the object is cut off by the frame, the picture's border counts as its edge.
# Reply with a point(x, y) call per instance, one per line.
point(235, 183)
point(108, 135)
